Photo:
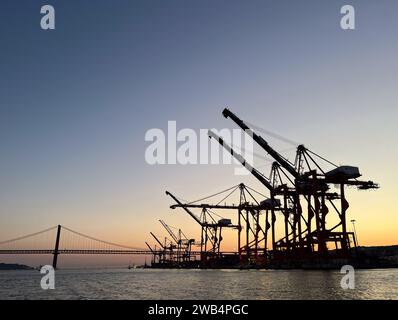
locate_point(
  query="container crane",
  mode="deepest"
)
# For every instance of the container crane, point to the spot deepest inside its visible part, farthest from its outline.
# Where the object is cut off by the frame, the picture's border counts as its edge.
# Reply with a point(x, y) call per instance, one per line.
point(209, 231)
point(310, 184)
point(272, 203)
point(183, 244)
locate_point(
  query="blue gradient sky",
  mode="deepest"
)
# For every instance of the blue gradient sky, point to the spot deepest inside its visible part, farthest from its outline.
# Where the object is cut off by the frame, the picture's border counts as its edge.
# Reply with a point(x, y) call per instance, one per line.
point(76, 102)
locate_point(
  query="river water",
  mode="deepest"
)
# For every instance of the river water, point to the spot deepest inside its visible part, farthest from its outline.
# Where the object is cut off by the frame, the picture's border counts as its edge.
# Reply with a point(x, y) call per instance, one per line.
point(199, 284)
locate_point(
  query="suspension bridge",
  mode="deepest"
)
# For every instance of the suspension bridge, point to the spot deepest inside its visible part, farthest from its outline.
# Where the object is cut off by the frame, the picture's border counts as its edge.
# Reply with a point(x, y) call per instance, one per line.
point(62, 240)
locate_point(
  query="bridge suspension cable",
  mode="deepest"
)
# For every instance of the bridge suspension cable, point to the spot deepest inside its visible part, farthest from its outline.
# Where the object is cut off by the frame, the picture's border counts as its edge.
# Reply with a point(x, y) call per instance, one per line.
point(27, 236)
point(107, 243)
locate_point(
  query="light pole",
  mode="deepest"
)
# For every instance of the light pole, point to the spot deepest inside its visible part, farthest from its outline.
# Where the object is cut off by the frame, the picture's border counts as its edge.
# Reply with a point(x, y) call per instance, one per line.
point(355, 231)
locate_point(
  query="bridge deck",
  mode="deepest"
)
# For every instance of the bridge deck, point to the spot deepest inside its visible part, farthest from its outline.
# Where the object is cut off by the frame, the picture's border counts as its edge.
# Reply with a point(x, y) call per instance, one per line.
point(142, 252)
point(138, 252)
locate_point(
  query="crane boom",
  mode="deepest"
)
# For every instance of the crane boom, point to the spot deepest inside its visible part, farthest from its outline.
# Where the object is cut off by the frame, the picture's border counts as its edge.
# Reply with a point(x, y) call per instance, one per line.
point(228, 114)
point(217, 206)
point(149, 247)
point(157, 240)
point(242, 161)
point(169, 231)
point(186, 209)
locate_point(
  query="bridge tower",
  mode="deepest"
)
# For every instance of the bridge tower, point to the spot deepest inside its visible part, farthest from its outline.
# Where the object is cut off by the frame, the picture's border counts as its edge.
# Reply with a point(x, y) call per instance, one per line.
point(56, 249)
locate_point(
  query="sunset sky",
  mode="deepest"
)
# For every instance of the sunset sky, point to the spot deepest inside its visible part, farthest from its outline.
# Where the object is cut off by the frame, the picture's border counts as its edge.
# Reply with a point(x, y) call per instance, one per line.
point(76, 102)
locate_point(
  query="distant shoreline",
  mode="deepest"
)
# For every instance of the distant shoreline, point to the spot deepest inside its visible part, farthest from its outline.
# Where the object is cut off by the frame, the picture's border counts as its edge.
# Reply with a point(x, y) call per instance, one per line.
point(14, 266)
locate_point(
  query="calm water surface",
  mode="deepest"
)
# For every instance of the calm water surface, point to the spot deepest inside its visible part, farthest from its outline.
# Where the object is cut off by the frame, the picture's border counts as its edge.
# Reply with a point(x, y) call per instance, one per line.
point(199, 284)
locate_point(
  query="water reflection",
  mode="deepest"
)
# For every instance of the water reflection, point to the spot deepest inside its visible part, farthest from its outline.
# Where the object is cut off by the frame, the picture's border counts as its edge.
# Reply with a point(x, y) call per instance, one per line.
point(199, 284)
